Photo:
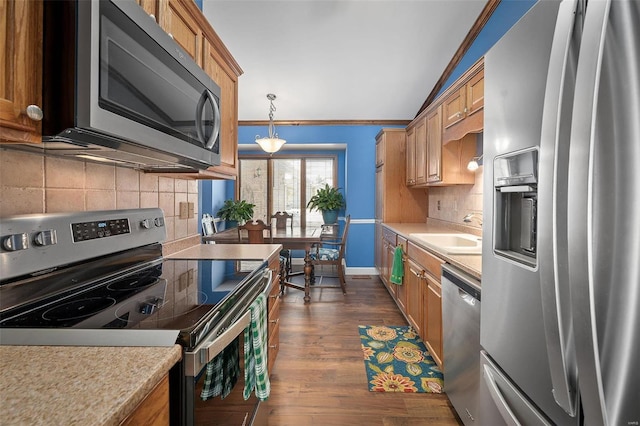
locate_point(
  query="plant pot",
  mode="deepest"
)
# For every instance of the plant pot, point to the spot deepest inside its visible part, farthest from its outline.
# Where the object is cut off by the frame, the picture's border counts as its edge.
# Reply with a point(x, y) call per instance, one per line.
point(330, 216)
point(232, 224)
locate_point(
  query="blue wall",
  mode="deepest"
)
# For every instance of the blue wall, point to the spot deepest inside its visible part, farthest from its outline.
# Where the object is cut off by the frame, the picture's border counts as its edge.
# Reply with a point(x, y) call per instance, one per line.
point(357, 162)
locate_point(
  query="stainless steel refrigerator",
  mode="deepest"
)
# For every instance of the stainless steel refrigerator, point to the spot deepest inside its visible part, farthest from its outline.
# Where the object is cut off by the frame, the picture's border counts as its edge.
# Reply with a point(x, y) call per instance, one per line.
point(560, 320)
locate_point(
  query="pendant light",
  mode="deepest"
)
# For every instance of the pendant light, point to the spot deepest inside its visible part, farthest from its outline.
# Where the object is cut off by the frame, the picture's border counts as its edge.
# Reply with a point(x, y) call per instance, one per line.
point(272, 143)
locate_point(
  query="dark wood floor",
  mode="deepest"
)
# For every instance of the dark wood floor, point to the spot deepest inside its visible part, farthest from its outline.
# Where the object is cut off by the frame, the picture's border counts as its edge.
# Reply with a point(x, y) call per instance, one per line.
point(319, 376)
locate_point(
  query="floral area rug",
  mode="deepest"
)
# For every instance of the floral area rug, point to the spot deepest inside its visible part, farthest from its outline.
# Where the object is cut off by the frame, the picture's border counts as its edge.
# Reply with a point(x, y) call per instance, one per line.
point(397, 360)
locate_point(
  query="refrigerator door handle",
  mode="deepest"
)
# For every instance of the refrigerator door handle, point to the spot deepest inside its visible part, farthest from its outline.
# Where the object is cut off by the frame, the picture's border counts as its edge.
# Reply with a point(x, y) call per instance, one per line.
point(604, 204)
point(498, 399)
point(552, 194)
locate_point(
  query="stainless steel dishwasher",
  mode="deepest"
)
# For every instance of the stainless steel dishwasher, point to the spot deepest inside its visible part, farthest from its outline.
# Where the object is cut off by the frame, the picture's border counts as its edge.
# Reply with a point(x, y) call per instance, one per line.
point(461, 347)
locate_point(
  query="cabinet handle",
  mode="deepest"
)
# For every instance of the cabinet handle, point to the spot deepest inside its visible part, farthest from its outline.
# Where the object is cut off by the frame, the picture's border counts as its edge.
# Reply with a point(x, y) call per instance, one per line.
point(275, 321)
point(170, 35)
point(152, 16)
point(34, 112)
point(465, 109)
point(459, 114)
point(417, 274)
point(274, 296)
point(273, 346)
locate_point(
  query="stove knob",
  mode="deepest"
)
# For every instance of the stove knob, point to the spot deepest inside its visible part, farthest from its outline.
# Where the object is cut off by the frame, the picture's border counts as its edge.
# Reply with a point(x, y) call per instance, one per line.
point(146, 224)
point(16, 242)
point(159, 221)
point(46, 238)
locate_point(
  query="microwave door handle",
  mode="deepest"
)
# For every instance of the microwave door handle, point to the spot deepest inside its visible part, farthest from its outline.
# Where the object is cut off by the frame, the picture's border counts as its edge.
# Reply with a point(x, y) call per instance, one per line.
point(207, 95)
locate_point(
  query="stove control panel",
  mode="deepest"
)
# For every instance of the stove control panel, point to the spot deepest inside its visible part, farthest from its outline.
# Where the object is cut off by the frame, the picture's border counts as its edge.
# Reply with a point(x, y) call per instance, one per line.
point(99, 229)
point(68, 238)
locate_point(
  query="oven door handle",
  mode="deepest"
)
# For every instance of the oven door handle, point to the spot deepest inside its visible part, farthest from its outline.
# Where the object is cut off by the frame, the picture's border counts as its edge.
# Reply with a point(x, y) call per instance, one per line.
point(195, 360)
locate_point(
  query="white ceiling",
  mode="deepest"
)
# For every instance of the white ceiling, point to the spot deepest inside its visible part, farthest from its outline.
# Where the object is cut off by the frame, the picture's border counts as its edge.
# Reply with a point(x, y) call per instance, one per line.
point(340, 60)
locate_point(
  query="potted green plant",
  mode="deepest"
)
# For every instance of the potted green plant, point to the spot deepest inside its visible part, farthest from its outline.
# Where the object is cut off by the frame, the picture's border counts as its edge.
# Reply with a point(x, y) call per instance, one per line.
point(238, 211)
point(329, 201)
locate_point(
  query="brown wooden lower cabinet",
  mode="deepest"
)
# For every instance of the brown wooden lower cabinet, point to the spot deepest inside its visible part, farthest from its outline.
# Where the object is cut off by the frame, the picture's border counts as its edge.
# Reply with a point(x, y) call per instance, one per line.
point(154, 408)
point(413, 281)
point(273, 316)
point(420, 295)
point(433, 324)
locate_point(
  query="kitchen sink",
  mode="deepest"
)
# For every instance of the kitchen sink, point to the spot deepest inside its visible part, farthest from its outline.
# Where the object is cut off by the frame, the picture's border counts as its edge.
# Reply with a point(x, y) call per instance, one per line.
point(450, 243)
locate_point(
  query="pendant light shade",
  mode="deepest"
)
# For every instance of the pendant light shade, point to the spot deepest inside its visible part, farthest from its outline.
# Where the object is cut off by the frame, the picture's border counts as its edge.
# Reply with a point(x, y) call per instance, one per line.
point(272, 143)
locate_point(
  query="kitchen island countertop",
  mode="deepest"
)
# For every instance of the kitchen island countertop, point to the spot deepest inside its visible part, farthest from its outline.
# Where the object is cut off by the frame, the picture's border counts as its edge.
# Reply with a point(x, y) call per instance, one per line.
point(470, 263)
point(67, 385)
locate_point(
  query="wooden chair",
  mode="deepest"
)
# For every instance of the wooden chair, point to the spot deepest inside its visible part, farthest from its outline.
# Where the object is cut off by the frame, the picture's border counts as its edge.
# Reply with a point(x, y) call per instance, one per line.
point(208, 227)
point(332, 253)
point(284, 220)
point(253, 232)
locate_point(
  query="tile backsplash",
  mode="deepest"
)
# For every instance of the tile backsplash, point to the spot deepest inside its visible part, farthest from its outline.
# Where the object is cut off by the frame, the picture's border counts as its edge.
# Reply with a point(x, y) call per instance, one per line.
point(457, 201)
point(31, 183)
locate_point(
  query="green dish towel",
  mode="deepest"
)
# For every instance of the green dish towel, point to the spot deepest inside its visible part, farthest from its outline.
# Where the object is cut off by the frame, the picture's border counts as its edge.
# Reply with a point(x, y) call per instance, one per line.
point(397, 269)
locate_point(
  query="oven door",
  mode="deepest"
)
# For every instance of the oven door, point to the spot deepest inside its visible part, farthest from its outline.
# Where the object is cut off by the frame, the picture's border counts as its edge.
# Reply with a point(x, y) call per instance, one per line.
point(233, 409)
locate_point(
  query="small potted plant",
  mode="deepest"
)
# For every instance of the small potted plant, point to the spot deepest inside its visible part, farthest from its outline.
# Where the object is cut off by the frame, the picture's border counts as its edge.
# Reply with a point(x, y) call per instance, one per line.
point(329, 201)
point(236, 212)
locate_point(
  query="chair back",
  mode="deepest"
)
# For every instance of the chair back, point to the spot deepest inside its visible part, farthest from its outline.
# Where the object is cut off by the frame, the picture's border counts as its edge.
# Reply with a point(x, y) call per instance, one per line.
point(343, 241)
point(282, 218)
point(208, 226)
point(253, 232)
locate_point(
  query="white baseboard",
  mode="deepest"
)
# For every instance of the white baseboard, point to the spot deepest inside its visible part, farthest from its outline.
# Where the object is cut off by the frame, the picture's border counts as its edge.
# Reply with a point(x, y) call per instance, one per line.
point(361, 271)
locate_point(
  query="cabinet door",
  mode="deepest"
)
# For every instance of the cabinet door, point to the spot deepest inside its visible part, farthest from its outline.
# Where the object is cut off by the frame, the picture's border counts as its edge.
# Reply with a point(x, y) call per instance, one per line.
point(380, 193)
point(434, 319)
point(177, 20)
point(453, 107)
point(434, 146)
point(475, 93)
point(410, 166)
point(413, 276)
point(21, 70)
point(228, 82)
point(380, 151)
point(421, 151)
point(150, 6)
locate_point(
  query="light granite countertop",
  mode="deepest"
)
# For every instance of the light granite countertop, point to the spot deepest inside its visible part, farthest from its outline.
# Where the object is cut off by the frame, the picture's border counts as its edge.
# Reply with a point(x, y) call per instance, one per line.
point(228, 251)
point(472, 264)
point(70, 385)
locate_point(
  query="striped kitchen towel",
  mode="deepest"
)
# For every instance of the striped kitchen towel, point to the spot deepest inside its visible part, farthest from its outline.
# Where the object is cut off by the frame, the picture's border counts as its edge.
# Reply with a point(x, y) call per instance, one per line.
point(222, 372)
point(256, 375)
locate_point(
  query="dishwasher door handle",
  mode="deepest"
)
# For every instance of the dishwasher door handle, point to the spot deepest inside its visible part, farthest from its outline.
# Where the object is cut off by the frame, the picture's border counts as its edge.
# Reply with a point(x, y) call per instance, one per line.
point(467, 298)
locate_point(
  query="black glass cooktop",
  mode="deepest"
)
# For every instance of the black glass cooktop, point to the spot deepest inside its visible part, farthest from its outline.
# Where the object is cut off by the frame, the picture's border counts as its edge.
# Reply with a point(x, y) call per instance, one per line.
point(184, 295)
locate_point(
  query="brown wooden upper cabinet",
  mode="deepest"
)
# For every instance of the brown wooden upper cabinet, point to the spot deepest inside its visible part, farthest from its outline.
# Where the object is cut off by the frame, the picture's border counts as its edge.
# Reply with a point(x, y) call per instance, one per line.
point(21, 74)
point(434, 145)
point(463, 105)
point(416, 153)
point(410, 166)
point(445, 134)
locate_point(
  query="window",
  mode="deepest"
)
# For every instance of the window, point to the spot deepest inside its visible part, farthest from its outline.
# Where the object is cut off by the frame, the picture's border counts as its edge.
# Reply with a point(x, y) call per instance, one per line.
point(285, 184)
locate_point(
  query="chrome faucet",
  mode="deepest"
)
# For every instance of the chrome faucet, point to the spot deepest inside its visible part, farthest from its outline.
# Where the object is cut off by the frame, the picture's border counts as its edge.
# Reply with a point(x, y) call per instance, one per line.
point(477, 216)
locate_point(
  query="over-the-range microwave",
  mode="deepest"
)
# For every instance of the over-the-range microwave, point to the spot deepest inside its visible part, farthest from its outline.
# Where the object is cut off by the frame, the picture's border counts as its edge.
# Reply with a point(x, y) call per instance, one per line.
point(117, 88)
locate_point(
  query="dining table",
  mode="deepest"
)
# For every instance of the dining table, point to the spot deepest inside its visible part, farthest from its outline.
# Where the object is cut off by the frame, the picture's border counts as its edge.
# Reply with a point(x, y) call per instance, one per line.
point(291, 238)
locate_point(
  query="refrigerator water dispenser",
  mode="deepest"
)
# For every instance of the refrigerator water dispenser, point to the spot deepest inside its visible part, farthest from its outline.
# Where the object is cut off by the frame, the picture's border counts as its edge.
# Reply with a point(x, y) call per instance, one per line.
point(516, 196)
